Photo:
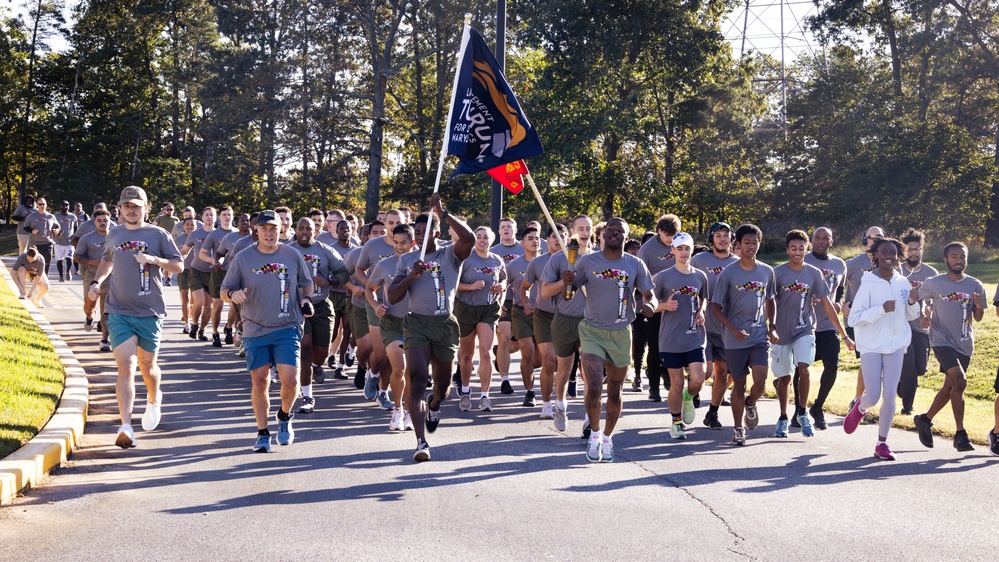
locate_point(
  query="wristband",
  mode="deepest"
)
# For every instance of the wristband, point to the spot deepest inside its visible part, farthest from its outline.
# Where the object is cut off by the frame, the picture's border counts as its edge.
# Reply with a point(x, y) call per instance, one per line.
point(92, 283)
point(229, 294)
point(446, 214)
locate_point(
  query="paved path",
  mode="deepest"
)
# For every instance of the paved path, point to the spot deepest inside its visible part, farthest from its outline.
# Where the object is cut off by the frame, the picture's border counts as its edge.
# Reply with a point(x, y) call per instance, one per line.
point(503, 485)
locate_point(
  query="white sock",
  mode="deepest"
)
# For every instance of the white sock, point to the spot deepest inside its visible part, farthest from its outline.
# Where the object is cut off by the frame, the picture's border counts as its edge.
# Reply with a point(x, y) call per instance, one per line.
point(606, 438)
point(506, 378)
point(560, 404)
point(307, 391)
point(546, 404)
point(882, 442)
point(370, 375)
point(466, 389)
point(485, 395)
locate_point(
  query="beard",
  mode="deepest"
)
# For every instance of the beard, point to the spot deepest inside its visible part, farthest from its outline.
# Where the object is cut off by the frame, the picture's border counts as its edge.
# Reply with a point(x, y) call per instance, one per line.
point(912, 262)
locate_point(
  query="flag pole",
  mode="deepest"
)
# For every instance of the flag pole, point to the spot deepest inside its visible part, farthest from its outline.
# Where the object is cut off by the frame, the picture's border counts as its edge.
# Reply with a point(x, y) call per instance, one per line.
point(447, 123)
point(544, 209)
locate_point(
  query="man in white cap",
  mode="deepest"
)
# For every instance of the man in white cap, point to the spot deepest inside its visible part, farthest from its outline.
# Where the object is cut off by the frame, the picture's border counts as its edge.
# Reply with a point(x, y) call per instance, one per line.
point(138, 254)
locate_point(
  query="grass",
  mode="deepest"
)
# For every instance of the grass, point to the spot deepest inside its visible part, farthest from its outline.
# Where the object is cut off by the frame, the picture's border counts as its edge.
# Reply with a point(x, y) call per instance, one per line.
point(31, 376)
point(8, 241)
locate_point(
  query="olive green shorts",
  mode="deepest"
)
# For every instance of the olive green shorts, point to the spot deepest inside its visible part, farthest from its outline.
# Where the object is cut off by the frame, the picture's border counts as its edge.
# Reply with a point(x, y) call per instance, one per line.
point(358, 321)
point(469, 316)
point(542, 325)
point(199, 280)
point(184, 280)
point(339, 303)
point(372, 318)
point(523, 324)
point(392, 330)
point(565, 334)
point(438, 332)
point(614, 346)
point(320, 324)
point(215, 283)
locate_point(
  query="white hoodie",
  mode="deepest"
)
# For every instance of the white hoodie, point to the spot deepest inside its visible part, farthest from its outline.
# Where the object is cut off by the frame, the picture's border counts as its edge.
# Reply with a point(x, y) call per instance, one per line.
point(878, 331)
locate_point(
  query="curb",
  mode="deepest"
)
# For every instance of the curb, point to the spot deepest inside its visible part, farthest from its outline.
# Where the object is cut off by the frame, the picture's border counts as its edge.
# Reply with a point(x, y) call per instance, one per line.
point(51, 447)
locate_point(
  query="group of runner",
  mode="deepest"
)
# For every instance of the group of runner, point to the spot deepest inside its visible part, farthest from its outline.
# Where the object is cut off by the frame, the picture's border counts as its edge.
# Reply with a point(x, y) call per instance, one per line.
point(404, 304)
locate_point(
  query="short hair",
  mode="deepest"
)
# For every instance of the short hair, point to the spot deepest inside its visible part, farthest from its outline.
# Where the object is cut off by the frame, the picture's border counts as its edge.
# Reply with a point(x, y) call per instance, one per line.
point(560, 228)
point(282, 209)
point(432, 217)
point(747, 229)
point(375, 223)
point(913, 235)
point(881, 241)
point(508, 219)
point(395, 212)
point(647, 236)
point(192, 219)
point(624, 223)
point(165, 203)
point(669, 223)
point(254, 215)
point(101, 213)
point(404, 229)
point(632, 244)
point(795, 235)
point(529, 230)
point(314, 212)
point(209, 208)
point(225, 208)
point(572, 223)
point(953, 245)
point(489, 231)
point(337, 212)
point(31, 252)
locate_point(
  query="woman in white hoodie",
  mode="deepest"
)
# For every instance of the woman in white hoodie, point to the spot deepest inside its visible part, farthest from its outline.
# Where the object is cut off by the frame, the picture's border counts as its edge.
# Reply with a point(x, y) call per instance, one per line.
point(880, 316)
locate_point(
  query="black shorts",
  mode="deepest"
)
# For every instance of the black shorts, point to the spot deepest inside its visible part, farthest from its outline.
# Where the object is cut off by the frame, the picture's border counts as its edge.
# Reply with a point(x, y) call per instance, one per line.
point(948, 357)
point(740, 360)
point(681, 360)
point(715, 349)
point(849, 333)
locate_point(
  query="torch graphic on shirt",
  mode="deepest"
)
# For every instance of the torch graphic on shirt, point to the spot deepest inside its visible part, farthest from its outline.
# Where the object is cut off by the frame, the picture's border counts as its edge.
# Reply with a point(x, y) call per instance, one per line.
point(493, 273)
point(758, 288)
point(691, 293)
point(434, 269)
point(281, 270)
point(802, 289)
point(313, 260)
point(138, 247)
point(830, 278)
point(620, 278)
point(965, 301)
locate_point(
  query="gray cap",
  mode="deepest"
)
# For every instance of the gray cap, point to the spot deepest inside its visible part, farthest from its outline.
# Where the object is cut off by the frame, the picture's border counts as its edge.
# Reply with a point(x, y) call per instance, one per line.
point(133, 194)
point(268, 217)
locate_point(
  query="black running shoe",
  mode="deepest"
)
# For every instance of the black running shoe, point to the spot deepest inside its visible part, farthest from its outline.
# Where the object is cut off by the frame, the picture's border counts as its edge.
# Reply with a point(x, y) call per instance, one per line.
point(506, 387)
point(202, 336)
point(456, 379)
point(925, 429)
point(655, 397)
point(587, 430)
point(962, 443)
point(571, 391)
point(711, 420)
point(529, 398)
point(228, 335)
point(697, 401)
point(433, 417)
point(636, 385)
point(318, 374)
point(359, 378)
point(194, 332)
point(216, 340)
point(339, 374)
point(994, 443)
point(794, 422)
point(818, 417)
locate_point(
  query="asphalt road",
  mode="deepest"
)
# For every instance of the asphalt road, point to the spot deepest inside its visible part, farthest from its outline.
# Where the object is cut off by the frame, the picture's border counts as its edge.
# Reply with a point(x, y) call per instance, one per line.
point(502, 485)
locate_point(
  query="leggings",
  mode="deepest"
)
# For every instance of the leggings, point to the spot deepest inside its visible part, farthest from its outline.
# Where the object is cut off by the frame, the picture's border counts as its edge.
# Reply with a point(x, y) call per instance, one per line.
point(881, 375)
point(827, 351)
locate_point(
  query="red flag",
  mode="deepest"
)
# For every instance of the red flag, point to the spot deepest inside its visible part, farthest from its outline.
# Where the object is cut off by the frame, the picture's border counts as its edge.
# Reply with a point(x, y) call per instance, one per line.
point(509, 175)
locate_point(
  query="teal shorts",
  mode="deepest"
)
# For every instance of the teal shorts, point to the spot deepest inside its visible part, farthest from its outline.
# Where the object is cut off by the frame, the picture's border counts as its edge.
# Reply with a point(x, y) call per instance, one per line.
point(147, 329)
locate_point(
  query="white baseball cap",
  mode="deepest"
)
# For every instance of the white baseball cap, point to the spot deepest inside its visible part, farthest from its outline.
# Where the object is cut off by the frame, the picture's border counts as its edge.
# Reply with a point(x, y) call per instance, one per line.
point(683, 239)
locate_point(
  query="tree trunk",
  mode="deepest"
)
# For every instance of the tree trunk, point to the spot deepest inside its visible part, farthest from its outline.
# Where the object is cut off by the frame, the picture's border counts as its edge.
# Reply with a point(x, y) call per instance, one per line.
point(28, 93)
point(896, 62)
point(371, 199)
point(992, 224)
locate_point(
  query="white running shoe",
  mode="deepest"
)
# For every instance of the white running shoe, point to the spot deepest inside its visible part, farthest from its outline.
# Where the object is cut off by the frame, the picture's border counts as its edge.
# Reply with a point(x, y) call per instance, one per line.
point(407, 421)
point(396, 424)
point(547, 412)
point(151, 417)
point(125, 438)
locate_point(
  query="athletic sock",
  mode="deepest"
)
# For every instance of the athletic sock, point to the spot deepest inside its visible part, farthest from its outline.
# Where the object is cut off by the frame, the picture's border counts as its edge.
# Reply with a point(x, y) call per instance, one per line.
point(466, 389)
point(782, 417)
point(882, 442)
point(801, 411)
point(484, 395)
point(686, 395)
point(712, 409)
point(307, 391)
point(676, 418)
point(263, 431)
point(560, 404)
point(504, 379)
point(546, 404)
point(283, 416)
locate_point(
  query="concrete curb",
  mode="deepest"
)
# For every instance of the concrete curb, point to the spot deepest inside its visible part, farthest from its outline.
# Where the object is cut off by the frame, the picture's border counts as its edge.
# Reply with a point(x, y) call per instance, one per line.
point(25, 467)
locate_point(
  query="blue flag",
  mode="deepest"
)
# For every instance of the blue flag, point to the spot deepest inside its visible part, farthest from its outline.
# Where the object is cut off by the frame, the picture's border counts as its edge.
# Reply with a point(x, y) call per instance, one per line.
point(487, 128)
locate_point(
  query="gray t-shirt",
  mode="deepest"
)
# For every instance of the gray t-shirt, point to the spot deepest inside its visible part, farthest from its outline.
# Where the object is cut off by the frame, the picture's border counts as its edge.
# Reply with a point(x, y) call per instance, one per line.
point(275, 281)
point(916, 279)
point(515, 272)
point(84, 229)
point(382, 275)
point(214, 242)
point(225, 247)
point(610, 288)
point(44, 223)
point(533, 276)
point(91, 247)
point(36, 267)
point(576, 306)
point(856, 267)
point(196, 241)
point(951, 323)
point(712, 266)
point(508, 254)
point(678, 330)
point(178, 229)
point(350, 260)
point(373, 252)
point(833, 274)
point(179, 241)
point(490, 270)
point(239, 245)
point(795, 292)
point(432, 293)
point(742, 295)
point(67, 228)
point(136, 289)
point(656, 255)
point(323, 262)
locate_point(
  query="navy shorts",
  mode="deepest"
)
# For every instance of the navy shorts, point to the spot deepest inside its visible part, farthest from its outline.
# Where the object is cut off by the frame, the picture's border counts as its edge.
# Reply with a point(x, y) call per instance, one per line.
point(740, 360)
point(681, 360)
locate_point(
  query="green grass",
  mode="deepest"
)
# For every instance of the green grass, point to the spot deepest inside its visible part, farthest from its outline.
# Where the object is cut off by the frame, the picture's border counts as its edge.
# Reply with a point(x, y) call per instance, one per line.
point(31, 376)
point(8, 241)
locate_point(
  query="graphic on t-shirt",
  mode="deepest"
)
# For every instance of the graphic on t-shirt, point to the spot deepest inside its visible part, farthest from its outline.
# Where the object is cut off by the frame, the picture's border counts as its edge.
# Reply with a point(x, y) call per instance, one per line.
point(667, 256)
point(690, 292)
point(802, 289)
point(138, 247)
point(965, 300)
point(760, 289)
point(829, 276)
point(434, 269)
point(313, 260)
point(281, 270)
point(621, 278)
point(492, 272)
point(507, 258)
point(916, 284)
point(715, 270)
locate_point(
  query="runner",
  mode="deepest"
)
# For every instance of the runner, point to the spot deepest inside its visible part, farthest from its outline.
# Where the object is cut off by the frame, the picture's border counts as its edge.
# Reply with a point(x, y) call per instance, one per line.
point(542, 311)
point(21, 213)
point(89, 251)
point(64, 241)
point(743, 301)
point(287, 235)
point(882, 307)
point(200, 279)
point(856, 267)
point(184, 277)
point(956, 301)
point(273, 286)
point(430, 329)
point(340, 299)
point(682, 294)
point(477, 309)
point(918, 354)
point(712, 264)
point(222, 252)
point(137, 254)
point(610, 277)
point(209, 254)
point(508, 249)
point(328, 235)
point(359, 319)
point(657, 254)
point(523, 322)
point(188, 212)
point(43, 227)
point(29, 267)
point(799, 287)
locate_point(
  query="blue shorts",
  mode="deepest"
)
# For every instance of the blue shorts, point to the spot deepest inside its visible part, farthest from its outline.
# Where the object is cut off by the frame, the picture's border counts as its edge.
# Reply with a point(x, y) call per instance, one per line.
point(147, 329)
point(282, 347)
point(681, 360)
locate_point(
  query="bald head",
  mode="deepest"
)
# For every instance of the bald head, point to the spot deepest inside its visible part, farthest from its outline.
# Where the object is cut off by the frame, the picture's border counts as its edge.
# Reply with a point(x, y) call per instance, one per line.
point(872, 232)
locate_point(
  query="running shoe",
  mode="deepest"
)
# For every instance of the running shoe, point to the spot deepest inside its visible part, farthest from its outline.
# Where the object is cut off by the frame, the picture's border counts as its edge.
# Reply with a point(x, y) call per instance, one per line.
point(125, 438)
point(237, 339)
point(187, 328)
point(168, 282)
point(485, 404)
point(202, 336)
point(636, 385)
point(781, 429)
point(318, 374)
point(370, 387)
point(655, 397)
point(696, 400)
point(465, 402)
point(407, 421)
point(105, 345)
point(571, 390)
point(151, 417)
point(711, 420)
point(561, 419)
point(339, 374)
point(752, 417)
point(587, 430)
point(806, 425)
point(962, 443)
point(678, 431)
point(88, 324)
point(274, 377)
point(384, 401)
point(262, 444)
point(396, 423)
point(506, 387)
point(606, 450)
point(853, 418)
point(193, 334)
point(739, 437)
point(924, 427)
point(689, 410)
point(795, 423)
point(228, 335)
point(433, 417)
point(994, 443)
point(286, 433)
point(349, 356)
point(98, 326)
point(241, 352)
point(331, 361)
point(882, 452)
point(216, 340)
point(529, 399)
point(359, 378)
point(546, 411)
point(593, 449)
point(818, 417)
point(22, 297)
point(456, 380)
point(308, 405)
point(422, 452)
point(906, 411)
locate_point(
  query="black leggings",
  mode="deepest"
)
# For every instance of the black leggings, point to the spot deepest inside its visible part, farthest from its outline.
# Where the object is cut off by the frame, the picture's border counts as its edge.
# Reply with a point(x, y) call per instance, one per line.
point(45, 250)
point(913, 367)
point(827, 351)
